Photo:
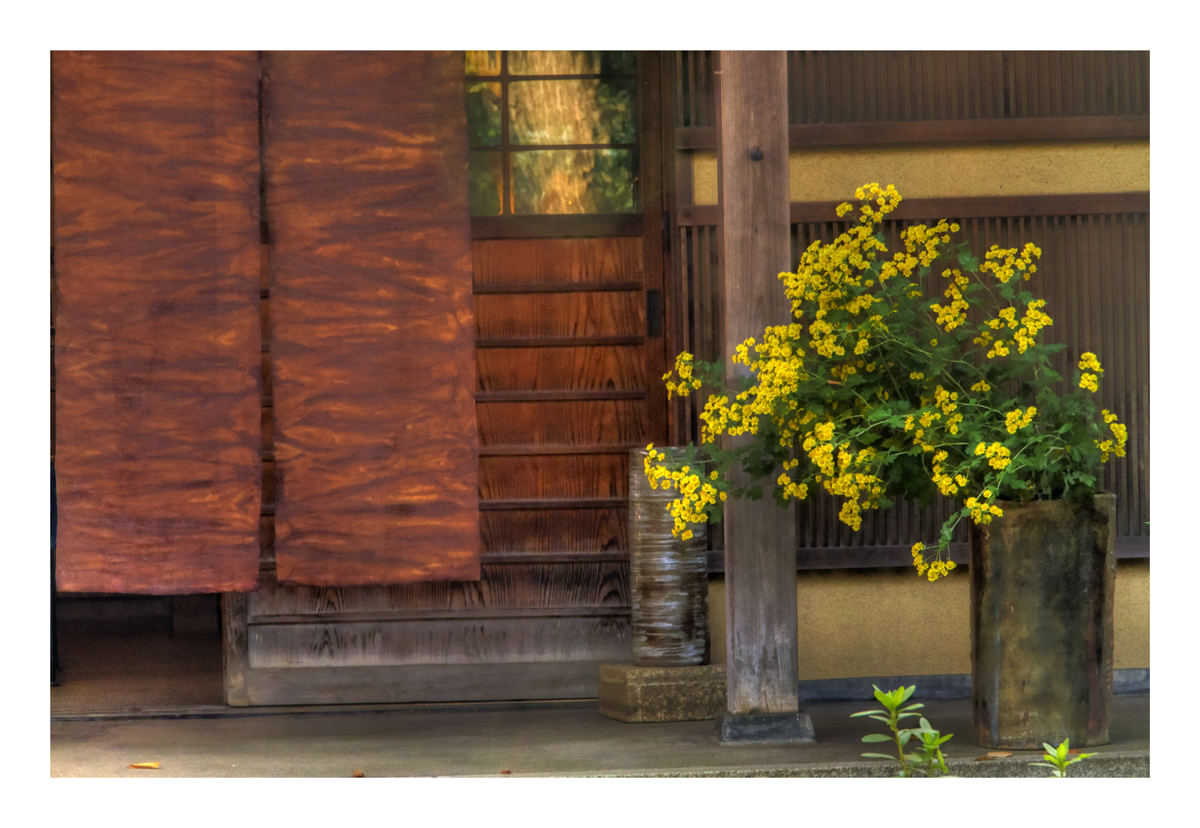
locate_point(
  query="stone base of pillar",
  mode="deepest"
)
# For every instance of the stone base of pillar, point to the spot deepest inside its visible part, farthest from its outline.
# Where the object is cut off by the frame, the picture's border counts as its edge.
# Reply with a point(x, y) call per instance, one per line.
point(630, 693)
point(764, 728)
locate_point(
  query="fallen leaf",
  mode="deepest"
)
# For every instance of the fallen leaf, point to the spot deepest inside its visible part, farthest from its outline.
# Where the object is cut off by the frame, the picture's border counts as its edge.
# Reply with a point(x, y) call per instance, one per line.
point(145, 765)
point(358, 774)
point(1075, 750)
point(506, 770)
point(993, 754)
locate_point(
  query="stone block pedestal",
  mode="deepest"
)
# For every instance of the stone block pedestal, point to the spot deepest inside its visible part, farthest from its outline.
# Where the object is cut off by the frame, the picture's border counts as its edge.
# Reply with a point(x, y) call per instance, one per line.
point(630, 693)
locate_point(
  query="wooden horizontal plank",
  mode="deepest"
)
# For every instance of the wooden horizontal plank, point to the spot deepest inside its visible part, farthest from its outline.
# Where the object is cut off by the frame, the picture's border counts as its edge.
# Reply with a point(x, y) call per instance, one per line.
point(565, 315)
point(557, 557)
point(549, 448)
point(872, 557)
point(555, 227)
point(552, 503)
point(585, 422)
point(556, 341)
point(586, 261)
point(540, 585)
point(1070, 204)
point(977, 130)
point(587, 368)
point(549, 531)
point(554, 476)
point(423, 683)
point(555, 287)
point(548, 396)
point(965, 130)
point(438, 615)
point(439, 641)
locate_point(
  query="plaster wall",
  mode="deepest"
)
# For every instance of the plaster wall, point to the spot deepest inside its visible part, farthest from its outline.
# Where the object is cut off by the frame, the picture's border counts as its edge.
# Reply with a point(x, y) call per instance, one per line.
point(955, 170)
point(890, 622)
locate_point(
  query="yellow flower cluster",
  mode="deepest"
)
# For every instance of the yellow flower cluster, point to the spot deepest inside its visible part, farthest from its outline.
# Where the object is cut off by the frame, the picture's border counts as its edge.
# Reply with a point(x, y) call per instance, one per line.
point(996, 454)
point(1016, 420)
point(1012, 262)
point(842, 472)
point(951, 316)
point(947, 485)
point(1032, 322)
point(687, 382)
point(981, 509)
point(934, 570)
point(946, 401)
point(924, 240)
point(695, 493)
point(1116, 445)
point(1087, 363)
point(887, 200)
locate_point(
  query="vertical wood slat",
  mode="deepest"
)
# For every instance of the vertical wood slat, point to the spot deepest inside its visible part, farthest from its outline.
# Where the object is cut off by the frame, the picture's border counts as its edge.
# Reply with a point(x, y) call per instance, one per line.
point(157, 342)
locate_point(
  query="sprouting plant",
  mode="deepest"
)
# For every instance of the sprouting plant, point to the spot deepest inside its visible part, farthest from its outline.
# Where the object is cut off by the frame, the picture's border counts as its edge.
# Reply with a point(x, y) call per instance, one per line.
point(1057, 758)
point(930, 757)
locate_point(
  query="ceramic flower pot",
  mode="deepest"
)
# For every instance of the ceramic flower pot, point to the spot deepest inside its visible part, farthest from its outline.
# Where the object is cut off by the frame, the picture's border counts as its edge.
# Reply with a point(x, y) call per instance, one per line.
point(668, 576)
point(1042, 581)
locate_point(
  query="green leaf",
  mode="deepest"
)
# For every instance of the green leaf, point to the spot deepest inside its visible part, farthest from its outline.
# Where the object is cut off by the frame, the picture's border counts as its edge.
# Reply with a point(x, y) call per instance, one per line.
point(866, 713)
point(879, 756)
point(877, 737)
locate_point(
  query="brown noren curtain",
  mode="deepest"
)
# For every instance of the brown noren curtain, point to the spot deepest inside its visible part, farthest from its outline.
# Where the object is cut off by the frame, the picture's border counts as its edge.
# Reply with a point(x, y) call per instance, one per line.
point(372, 333)
point(156, 178)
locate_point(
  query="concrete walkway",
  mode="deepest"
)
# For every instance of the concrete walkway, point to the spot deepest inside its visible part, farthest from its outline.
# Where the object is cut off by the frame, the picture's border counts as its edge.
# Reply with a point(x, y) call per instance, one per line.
point(536, 739)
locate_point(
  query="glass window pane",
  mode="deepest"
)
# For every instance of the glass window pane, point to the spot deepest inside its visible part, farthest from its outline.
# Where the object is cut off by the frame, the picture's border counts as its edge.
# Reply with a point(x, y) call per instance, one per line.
point(486, 170)
point(483, 114)
point(572, 112)
point(554, 63)
point(483, 63)
point(572, 181)
point(624, 63)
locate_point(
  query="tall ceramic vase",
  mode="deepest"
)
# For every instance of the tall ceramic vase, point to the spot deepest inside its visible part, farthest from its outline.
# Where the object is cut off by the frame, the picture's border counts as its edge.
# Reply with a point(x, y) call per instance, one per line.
point(1042, 582)
point(669, 576)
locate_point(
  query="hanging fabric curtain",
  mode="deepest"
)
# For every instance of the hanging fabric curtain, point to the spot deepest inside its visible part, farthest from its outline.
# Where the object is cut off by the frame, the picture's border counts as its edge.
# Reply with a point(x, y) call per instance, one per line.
point(372, 331)
point(157, 341)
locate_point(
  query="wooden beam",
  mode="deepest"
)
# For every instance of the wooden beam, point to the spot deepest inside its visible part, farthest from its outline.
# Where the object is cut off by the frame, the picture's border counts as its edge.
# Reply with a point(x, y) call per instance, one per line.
point(966, 130)
point(760, 538)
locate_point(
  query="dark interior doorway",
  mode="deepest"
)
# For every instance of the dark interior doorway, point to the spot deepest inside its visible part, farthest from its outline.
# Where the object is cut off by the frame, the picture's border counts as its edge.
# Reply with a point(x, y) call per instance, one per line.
point(133, 653)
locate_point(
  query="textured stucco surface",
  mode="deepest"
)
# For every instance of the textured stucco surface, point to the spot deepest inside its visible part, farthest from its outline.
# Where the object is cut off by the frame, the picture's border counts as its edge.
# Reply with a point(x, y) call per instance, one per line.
point(888, 622)
point(956, 170)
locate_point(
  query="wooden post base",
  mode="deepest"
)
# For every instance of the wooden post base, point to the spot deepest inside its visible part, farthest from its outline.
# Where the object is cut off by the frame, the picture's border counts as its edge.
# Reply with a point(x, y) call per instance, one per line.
point(764, 728)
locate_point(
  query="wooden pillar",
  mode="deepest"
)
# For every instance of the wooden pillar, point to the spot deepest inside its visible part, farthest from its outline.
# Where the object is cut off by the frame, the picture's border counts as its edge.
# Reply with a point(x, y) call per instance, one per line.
point(760, 538)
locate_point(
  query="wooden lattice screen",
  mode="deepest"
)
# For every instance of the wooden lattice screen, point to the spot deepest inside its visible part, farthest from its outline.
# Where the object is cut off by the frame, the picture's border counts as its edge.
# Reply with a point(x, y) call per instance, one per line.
point(858, 87)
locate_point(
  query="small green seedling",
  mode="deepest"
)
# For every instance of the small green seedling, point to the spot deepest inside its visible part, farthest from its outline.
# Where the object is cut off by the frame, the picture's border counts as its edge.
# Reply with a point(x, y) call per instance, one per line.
point(930, 757)
point(1057, 758)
